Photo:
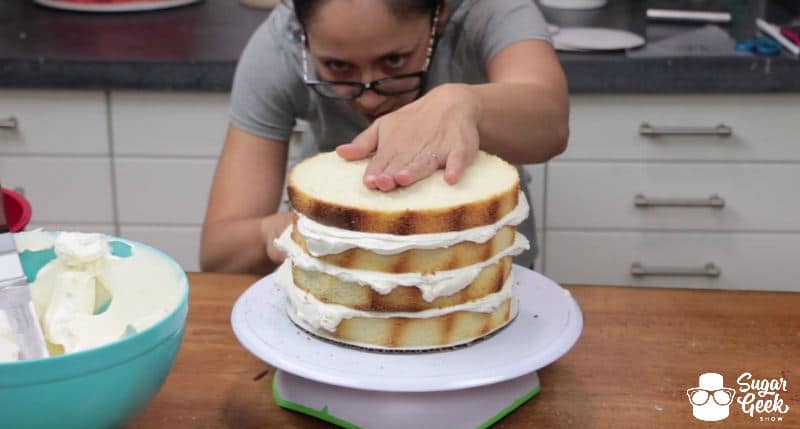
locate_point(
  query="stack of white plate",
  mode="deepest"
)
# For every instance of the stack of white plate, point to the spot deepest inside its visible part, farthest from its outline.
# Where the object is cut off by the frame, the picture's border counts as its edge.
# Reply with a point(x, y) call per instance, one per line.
point(586, 39)
point(116, 6)
point(574, 4)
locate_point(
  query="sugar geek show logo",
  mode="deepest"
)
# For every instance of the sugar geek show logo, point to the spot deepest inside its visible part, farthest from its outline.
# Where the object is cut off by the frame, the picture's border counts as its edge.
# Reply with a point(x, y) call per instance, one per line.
point(710, 399)
point(759, 398)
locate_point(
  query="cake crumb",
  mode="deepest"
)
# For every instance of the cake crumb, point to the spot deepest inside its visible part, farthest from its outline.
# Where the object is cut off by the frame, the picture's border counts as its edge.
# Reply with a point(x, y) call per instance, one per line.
point(261, 375)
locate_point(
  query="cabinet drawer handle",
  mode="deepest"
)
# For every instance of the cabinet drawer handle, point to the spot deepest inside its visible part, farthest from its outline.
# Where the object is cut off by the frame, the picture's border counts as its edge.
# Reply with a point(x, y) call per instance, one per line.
point(708, 270)
point(719, 130)
point(9, 123)
point(713, 201)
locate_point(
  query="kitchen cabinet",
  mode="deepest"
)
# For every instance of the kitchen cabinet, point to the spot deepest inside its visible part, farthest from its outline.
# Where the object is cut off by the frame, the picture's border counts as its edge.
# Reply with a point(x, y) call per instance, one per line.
point(168, 124)
point(170, 191)
point(165, 152)
point(180, 242)
point(54, 148)
point(745, 261)
point(677, 190)
point(166, 146)
point(135, 164)
point(729, 197)
point(57, 122)
point(648, 127)
point(62, 189)
point(536, 189)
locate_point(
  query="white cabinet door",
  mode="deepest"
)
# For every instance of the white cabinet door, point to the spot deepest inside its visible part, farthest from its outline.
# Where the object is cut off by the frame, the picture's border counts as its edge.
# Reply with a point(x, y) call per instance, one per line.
point(169, 123)
point(673, 182)
point(757, 197)
point(181, 243)
point(538, 263)
point(745, 261)
point(53, 122)
point(163, 191)
point(536, 187)
point(62, 190)
point(764, 127)
point(50, 226)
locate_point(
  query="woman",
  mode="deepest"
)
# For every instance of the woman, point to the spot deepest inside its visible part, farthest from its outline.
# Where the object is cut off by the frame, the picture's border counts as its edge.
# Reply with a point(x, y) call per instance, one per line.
point(417, 85)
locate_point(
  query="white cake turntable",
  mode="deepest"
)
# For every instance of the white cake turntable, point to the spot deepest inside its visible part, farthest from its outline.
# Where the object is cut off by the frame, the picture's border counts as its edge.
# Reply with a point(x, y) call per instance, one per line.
point(466, 387)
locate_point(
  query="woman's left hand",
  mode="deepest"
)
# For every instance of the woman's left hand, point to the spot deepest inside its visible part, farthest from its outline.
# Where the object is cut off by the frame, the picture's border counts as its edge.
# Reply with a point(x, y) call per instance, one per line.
point(439, 130)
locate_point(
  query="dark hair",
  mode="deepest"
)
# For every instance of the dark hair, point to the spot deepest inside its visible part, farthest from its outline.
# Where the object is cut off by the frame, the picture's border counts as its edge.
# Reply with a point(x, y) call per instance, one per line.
point(304, 9)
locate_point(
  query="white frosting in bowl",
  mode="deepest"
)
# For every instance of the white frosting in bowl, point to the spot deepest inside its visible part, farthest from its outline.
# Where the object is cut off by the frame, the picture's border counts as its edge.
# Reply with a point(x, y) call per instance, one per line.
point(71, 293)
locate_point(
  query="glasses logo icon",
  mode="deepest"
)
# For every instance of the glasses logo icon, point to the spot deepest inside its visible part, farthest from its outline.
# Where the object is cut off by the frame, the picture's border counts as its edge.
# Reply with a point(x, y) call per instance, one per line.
point(710, 400)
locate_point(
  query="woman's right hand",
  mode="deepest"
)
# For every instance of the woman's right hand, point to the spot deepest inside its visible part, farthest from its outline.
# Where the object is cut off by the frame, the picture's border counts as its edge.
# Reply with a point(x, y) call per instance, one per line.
point(271, 228)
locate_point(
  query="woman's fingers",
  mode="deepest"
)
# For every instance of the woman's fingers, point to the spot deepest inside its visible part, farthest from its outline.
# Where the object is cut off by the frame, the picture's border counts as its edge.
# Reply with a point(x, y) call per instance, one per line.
point(374, 176)
point(424, 164)
point(389, 157)
point(361, 146)
point(400, 161)
point(276, 255)
point(385, 177)
point(412, 143)
point(460, 158)
point(455, 169)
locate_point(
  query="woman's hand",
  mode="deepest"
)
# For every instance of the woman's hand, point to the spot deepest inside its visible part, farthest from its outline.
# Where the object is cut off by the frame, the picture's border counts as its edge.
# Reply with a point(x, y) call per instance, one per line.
point(440, 130)
point(271, 228)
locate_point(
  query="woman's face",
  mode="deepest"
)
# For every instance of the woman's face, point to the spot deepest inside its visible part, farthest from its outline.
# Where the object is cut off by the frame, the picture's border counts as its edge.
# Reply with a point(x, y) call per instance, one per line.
point(362, 41)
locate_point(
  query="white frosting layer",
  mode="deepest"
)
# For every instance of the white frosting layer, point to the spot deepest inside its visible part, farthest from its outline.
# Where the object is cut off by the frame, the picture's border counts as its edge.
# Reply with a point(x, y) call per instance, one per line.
point(432, 286)
point(328, 316)
point(73, 297)
point(326, 240)
point(78, 250)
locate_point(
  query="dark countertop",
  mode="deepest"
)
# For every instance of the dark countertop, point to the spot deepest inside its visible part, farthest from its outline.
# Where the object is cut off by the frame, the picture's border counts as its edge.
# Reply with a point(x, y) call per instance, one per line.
point(195, 47)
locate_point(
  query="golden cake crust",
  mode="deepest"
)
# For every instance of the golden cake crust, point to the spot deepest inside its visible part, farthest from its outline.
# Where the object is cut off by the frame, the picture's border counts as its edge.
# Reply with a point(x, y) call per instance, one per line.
point(441, 331)
point(407, 222)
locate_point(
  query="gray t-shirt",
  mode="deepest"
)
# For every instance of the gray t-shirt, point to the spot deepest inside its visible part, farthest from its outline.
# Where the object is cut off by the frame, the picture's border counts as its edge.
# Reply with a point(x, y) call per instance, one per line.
point(269, 95)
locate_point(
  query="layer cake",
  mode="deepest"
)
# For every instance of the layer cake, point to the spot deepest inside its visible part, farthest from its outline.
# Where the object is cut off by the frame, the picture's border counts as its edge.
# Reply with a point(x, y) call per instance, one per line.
point(420, 267)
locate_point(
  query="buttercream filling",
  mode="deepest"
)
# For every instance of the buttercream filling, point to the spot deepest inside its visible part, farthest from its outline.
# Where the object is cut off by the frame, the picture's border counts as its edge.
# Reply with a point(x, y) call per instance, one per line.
point(328, 316)
point(432, 286)
point(327, 240)
point(143, 289)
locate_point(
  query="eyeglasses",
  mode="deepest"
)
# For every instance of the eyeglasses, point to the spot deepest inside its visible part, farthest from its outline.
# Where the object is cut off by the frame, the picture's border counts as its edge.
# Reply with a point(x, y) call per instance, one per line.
point(698, 396)
point(391, 85)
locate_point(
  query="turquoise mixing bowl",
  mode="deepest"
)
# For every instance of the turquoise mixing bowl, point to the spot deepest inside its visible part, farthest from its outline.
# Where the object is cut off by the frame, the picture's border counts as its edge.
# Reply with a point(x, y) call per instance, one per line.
point(103, 387)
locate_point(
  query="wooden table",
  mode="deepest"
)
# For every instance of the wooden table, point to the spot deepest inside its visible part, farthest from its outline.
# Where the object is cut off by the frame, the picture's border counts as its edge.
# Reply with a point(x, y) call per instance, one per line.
point(641, 348)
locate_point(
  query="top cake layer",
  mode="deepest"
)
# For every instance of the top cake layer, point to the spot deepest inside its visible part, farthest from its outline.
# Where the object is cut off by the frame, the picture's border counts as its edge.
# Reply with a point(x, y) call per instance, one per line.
point(330, 190)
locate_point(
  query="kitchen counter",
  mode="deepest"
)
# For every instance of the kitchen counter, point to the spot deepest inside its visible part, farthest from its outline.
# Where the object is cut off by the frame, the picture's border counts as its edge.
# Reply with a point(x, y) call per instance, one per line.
point(640, 349)
point(196, 48)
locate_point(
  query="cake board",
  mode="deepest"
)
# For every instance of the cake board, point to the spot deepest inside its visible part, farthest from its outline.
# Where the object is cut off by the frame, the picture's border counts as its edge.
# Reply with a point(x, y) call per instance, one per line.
point(467, 387)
